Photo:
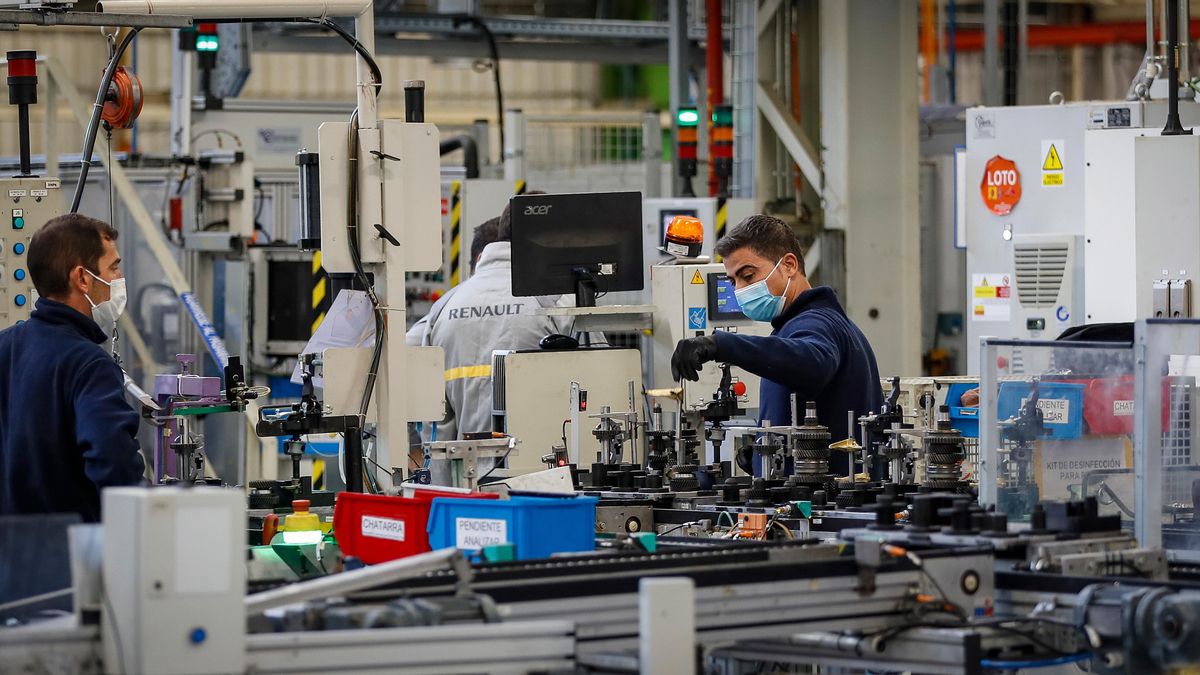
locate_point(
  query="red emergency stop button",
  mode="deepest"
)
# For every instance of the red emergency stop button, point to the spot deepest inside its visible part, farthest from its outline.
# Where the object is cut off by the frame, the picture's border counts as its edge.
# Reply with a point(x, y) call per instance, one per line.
point(739, 389)
point(300, 505)
point(1001, 363)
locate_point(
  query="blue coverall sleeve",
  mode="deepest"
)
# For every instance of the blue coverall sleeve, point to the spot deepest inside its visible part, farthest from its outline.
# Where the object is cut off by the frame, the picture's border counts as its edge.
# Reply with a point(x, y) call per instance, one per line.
point(803, 361)
point(105, 426)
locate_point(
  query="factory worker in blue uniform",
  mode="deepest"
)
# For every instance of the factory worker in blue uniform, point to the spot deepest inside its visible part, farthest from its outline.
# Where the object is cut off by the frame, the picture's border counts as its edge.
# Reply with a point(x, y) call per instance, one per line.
point(814, 351)
point(66, 431)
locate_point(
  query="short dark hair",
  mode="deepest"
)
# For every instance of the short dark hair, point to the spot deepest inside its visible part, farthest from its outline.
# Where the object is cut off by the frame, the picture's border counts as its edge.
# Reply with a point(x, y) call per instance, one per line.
point(483, 235)
point(505, 233)
point(767, 236)
point(64, 243)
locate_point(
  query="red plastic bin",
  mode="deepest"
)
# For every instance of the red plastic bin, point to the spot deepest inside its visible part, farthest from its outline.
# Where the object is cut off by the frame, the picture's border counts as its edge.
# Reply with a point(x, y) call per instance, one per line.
point(379, 528)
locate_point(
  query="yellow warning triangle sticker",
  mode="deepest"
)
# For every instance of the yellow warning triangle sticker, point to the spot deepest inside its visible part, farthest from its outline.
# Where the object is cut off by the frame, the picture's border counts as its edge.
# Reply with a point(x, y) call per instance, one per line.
point(697, 279)
point(1053, 161)
point(984, 282)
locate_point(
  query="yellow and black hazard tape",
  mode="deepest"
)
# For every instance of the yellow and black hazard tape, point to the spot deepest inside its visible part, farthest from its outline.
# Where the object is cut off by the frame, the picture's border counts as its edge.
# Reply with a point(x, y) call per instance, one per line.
point(321, 298)
point(455, 230)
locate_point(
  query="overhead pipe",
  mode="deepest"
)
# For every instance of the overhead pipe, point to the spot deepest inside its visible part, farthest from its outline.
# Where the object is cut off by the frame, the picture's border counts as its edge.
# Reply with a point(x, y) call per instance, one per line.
point(237, 9)
point(1071, 35)
point(470, 152)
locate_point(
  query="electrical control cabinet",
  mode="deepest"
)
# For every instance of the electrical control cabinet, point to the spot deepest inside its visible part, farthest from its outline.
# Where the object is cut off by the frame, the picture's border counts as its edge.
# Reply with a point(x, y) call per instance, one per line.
point(174, 577)
point(28, 204)
point(692, 300)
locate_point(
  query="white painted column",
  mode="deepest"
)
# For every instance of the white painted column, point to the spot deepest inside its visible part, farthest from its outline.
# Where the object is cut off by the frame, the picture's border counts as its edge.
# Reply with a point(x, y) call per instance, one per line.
point(870, 156)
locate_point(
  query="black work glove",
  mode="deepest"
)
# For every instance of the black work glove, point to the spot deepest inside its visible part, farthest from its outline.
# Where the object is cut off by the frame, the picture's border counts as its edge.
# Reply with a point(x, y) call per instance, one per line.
point(690, 354)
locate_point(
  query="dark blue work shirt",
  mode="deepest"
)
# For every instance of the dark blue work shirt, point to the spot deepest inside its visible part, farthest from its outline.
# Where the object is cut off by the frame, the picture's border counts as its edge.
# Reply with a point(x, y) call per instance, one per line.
point(66, 431)
point(817, 352)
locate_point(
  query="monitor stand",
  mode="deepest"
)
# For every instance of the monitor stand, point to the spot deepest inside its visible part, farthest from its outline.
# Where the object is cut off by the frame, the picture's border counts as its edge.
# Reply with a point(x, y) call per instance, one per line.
point(585, 289)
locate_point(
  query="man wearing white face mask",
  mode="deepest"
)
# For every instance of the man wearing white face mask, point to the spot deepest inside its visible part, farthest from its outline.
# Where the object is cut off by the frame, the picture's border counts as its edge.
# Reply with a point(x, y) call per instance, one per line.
point(66, 431)
point(815, 350)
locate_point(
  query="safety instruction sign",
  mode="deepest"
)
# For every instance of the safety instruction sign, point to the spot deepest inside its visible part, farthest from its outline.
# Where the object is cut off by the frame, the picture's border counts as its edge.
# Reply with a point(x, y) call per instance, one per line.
point(1065, 464)
point(991, 297)
point(1001, 185)
point(1053, 173)
point(697, 318)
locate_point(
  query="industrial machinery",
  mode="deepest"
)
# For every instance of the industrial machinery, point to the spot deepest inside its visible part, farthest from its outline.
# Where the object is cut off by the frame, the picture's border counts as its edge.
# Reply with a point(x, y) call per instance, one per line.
point(697, 299)
point(183, 398)
point(30, 201)
point(1047, 229)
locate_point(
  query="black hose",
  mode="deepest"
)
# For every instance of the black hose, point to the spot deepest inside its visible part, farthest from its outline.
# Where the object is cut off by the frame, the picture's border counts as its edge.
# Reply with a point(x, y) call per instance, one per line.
point(494, 53)
point(470, 152)
point(1174, 127)
point(89, 136)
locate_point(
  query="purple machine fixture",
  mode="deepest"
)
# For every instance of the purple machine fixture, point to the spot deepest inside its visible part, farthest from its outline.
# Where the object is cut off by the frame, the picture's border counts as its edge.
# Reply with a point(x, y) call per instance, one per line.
point(184, 397)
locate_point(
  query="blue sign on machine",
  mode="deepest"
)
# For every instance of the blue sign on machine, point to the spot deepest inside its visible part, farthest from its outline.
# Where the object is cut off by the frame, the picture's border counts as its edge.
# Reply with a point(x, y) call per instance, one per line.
point(697, 318)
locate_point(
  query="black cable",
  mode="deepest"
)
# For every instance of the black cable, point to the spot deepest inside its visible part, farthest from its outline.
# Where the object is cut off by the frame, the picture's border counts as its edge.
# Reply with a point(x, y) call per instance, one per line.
point(677, 527)
point(494, 52)
point(89, 136)
point(496, 465)
point(358, 47)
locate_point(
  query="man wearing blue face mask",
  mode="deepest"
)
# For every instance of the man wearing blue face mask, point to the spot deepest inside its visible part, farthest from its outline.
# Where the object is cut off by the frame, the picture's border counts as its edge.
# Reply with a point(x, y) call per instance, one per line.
point(66, 431)
point(814, 350)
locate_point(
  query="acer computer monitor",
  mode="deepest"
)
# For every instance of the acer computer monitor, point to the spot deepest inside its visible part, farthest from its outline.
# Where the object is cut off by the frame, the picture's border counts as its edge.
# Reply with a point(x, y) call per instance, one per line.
point(587, 244)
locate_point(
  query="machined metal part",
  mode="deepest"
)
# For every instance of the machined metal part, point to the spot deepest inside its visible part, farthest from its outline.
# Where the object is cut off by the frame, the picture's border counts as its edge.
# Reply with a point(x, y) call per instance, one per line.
point(943, 451)
point(624, 518)
point(1141, 563)
point(469, 452)
point(946, 651)
point(508, 647)
point(810, 446)
point(1048, 556)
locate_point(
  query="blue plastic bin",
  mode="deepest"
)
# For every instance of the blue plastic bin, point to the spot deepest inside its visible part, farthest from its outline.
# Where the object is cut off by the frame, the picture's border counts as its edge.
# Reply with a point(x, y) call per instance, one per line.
point(965, 420)
point(1061, 403)
point(537, 527)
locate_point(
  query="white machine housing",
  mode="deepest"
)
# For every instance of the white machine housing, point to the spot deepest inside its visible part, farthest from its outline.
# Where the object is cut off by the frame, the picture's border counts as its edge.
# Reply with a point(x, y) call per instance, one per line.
point(682, 295)
point(408, 190)
point(30, 203)
point(1167, 257)
point(533, 391)
point(174, 575)
point(1094, 199)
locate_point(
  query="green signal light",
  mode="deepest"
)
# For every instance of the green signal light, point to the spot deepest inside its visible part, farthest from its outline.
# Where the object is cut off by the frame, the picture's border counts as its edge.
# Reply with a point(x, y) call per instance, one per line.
point(687, 117)
point(206, 43)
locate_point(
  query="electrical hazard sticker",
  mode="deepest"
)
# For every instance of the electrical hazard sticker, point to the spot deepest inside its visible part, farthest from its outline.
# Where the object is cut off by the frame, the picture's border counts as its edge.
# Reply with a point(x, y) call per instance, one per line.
point(1052, 163)
point(991, 297)
point(697, 280)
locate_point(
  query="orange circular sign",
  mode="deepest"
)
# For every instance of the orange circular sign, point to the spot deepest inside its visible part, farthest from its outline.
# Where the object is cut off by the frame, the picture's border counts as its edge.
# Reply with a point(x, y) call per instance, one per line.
point(1001, 186)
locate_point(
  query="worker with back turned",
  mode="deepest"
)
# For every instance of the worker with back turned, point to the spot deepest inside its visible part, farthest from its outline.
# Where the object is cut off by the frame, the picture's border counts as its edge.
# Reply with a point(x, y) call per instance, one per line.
point(814, 351)
point(478, 316)
point(66, 432)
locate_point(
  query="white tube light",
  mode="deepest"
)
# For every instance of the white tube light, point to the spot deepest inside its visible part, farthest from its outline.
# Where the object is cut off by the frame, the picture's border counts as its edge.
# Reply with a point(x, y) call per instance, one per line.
point(237, 9)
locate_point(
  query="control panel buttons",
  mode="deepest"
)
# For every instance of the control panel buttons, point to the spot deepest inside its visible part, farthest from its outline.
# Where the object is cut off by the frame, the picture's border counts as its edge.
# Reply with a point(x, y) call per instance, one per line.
point(19, 248)
point(19, 275)
point(20, 300)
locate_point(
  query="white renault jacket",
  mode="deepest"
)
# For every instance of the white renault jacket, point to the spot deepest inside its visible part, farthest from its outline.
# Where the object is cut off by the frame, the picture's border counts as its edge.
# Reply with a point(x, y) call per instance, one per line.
point(476, 317)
